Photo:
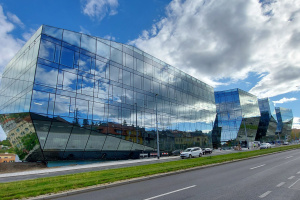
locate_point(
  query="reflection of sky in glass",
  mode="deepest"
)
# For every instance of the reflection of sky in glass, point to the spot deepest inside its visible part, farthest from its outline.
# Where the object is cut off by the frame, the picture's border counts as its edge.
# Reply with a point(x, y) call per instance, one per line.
point(232, 106)
point(267, 106)
point(123, 76)
point(285, 120)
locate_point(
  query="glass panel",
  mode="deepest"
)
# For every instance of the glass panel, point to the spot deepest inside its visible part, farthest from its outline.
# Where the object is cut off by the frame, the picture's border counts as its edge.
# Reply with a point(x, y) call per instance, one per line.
point(78, 138)
point(39, 103)
point(42, 74)
point(72, 37)
point(88, 43)
point(125, 145)
point(95, 142)
point(53, 32)
point(103, 50)
point(47, 50)
point(116, 55)
point(102, 69)
point(111, 143)
point(42, 129)
point(58, 136)
point(67, 57)
point(85, 63)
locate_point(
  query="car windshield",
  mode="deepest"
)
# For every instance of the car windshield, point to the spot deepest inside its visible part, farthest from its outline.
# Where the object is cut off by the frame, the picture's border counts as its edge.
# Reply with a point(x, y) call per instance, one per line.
point(264, 144)
point(187, 150)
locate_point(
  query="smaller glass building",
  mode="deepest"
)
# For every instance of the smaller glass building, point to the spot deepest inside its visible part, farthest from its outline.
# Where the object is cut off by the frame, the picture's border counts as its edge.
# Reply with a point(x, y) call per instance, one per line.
point(285, 122)
point(237, 118)
point(268, 121)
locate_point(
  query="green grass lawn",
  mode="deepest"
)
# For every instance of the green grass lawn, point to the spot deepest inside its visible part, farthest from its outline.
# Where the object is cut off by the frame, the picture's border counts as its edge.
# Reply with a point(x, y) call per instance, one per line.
point(40, 186)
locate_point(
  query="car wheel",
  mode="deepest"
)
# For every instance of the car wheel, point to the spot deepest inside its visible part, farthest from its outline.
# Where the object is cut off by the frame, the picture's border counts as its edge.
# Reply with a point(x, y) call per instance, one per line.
point(200, 154)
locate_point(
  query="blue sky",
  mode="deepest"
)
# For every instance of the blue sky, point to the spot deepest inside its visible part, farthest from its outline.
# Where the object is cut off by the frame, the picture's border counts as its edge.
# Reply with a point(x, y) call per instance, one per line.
point(252, 45)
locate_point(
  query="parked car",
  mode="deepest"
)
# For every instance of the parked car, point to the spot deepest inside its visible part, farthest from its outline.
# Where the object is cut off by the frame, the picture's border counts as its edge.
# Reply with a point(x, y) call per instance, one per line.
point(265, 145)
point(191, 152)
point(286, 143)
point(207, 151)
point(176, 152)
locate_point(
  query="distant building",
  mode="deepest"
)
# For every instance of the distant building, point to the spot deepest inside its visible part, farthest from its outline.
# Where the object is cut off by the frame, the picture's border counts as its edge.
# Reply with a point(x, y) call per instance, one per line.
point(285, 122)
point(237, 118)
point(7, 157)
point(268, 121)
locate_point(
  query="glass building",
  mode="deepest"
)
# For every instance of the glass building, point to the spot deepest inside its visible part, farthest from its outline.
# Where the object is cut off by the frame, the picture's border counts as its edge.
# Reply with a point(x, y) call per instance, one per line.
point(237, 118)
point(71, 96)
point(285, 122)
point(268, 121)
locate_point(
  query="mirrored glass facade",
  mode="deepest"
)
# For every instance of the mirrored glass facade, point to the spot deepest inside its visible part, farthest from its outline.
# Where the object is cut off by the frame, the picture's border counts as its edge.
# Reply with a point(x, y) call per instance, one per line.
point(83, 97)
point(268, 121)
point(285, 122)
point(237, 118)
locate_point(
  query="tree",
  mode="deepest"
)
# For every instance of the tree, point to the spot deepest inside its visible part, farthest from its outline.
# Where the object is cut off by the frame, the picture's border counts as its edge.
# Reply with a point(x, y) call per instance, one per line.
point(5, 143)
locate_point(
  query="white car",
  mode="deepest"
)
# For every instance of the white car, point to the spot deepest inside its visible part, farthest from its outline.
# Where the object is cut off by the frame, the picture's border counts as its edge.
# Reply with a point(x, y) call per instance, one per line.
point(265, 145)
point(191, 152)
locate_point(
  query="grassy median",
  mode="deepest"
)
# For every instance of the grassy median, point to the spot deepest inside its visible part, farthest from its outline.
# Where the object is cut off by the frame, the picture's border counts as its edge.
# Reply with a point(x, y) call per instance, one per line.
point(40, 186)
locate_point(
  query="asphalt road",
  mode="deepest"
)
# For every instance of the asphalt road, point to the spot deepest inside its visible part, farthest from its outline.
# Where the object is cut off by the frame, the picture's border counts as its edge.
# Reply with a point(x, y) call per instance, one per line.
point(271, 177)
point(47, 173)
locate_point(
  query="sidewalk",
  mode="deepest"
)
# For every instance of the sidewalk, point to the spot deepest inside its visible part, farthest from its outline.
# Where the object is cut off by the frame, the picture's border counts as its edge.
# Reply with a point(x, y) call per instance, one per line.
point(76, 167)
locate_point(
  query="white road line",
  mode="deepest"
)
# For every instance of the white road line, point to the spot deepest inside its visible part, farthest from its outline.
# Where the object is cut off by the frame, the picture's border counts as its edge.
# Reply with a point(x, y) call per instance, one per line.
point(291, 177)
point(298, 172)
point(280, 184)
point(265, 194)
point(294, 183)
point(170, 192)
point(258, 166)
point(289, 157)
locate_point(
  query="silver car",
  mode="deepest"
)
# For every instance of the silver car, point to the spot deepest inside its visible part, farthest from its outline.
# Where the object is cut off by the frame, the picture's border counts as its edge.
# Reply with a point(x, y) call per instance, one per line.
point(191, 152)
point(265, 146)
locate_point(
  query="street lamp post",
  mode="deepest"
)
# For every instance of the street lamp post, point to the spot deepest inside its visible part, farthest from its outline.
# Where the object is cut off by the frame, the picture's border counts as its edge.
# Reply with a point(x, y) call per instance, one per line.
point(157, 136)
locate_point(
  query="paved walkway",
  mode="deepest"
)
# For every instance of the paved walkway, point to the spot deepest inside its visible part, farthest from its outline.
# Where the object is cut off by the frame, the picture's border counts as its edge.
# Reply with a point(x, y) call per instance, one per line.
point(67, 168)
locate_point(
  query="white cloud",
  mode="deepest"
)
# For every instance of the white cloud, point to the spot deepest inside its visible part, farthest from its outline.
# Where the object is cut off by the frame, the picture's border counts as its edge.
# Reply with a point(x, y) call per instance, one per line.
point(98, 9)
point(29, 34)
point(296, 122)
point(109, 37)
point(220, 39)
point(284, 100)
point(9, 44)
point(15, 19)
point(84, 31)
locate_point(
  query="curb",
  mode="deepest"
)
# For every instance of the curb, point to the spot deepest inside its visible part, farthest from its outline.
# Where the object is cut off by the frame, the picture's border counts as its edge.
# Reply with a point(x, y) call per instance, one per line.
point(139, 179)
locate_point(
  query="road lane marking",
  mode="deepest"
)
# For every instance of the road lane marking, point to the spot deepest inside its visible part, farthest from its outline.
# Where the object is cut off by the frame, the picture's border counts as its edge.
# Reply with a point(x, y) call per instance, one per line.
point(288, 157)
point(265, 194)
point(170, 192)
point(294, 183)
point(291, 177)
point(298, 172)
point(258, 166)
point(280, 184)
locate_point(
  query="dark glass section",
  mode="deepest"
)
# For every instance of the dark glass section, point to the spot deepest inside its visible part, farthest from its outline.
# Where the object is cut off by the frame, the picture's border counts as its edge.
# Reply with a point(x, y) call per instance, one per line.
point(285, 123)
point(268, 121)
point(237, 118)
point(21, 134)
